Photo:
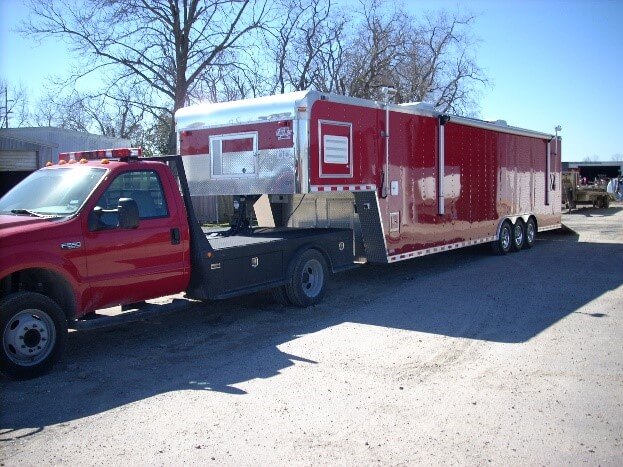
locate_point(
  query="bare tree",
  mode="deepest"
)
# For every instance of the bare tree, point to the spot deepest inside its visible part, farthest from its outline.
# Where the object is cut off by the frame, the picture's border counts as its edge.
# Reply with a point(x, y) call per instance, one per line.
point(427, 59)
point(13, 105)
point(374, 50)
point(242, 78)
point(304, 45)
point(168, 46)
point(437, 65)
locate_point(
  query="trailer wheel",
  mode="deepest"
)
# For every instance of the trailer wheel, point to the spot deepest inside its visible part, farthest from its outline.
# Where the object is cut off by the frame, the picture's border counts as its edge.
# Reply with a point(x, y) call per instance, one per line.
point(34, 332)
point(518, 238)
point(599, 203)
point(530, 233)
point(309, 279)
point(606, 202)
point(502, 245)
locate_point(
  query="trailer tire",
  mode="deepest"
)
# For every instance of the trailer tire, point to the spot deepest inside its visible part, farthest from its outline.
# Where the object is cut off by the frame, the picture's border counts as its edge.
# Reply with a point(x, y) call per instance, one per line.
point(308, 279)
point(33, 330)
point(606, 202)
point(530, 233)
point(502, 245)
point(518, 238)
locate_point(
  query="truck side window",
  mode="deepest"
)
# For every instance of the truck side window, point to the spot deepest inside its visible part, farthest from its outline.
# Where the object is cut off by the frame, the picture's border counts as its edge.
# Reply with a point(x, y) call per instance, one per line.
point(144, 187)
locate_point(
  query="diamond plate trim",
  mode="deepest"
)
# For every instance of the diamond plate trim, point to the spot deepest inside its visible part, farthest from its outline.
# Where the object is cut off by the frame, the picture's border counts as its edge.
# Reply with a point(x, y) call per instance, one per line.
point(371, 226)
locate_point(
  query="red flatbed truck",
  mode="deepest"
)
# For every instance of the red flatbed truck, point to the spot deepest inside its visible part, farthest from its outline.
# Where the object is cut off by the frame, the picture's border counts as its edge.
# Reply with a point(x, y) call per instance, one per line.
point(342, 181)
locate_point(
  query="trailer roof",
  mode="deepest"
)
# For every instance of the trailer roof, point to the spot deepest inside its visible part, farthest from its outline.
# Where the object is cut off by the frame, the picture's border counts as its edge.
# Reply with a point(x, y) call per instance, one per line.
point(285, 107)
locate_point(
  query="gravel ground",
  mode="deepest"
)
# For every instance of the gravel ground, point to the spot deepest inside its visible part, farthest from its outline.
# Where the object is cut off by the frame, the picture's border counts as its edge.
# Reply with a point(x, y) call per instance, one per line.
point(458, 358)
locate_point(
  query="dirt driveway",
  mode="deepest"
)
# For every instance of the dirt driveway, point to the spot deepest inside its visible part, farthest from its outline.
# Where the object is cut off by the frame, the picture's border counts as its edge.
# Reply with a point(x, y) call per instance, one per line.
point(459, 358)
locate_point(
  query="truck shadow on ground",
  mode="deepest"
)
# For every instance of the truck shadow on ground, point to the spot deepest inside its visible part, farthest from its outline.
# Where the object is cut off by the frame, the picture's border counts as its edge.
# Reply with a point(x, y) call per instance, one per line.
point(465, 294)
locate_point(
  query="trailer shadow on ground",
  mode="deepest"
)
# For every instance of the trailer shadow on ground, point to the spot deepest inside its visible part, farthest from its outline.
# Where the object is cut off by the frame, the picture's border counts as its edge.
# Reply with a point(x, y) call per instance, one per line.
point(590, 211)
point(467, 294)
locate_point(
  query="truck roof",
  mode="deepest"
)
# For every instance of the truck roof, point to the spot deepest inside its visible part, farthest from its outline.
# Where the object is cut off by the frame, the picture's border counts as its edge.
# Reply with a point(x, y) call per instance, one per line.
point(104, 163)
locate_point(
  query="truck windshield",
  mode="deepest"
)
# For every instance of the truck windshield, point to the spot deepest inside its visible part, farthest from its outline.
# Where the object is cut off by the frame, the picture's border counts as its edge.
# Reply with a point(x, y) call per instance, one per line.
point(52, 192)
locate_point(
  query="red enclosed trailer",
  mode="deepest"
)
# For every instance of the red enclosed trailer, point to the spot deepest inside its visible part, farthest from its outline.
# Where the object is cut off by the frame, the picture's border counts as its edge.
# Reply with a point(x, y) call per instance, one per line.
point(336, 180)
point(408, 180)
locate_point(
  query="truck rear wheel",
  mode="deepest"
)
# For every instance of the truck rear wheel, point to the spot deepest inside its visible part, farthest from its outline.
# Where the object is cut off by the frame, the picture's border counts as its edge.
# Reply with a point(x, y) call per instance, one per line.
point(530, 233)
point(280, 295)
point(34, 332)
point(518, 238)
point(503, 244)
point(308, 282)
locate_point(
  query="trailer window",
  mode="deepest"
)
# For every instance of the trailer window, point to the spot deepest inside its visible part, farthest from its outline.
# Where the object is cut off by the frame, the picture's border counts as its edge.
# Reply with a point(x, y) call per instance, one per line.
point(233, 155)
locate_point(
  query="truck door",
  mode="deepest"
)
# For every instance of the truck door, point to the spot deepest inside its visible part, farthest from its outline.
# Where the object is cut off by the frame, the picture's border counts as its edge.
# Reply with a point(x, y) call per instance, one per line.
point(131, 265)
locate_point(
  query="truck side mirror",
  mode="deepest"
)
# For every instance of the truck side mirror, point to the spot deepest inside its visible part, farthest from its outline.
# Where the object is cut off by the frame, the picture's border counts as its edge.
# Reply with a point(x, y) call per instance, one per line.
point(128, 213)
point(95, 223)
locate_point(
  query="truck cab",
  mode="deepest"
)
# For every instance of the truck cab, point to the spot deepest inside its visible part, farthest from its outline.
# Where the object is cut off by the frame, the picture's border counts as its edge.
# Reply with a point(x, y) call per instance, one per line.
point(82, 235)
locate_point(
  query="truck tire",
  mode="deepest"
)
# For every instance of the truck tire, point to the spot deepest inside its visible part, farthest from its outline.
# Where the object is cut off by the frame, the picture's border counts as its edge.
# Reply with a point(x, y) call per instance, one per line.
point(530, 233)
point(502, 245)
point(280, 295)
point(606, 202)
point(518, 238)
point(308, 281)
point(33, 329)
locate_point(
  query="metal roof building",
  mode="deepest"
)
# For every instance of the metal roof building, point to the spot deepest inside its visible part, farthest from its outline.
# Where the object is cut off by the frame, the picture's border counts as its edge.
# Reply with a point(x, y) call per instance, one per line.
point(23, 150)
point(591, 170)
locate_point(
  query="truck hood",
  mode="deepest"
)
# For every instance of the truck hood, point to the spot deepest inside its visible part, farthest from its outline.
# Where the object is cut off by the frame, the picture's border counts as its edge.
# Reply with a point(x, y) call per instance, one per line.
point(14, 224)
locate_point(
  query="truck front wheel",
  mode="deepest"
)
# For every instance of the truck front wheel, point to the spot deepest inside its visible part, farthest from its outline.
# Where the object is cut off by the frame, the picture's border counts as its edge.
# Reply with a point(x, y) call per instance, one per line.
point(308, 282)
point(34, 332)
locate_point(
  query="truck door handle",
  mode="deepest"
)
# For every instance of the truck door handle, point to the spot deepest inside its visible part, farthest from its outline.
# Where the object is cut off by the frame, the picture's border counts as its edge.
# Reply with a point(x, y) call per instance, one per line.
point(175, 236)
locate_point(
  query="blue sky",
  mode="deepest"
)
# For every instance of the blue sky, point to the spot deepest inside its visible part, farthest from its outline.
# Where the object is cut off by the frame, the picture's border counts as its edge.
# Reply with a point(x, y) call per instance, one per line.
point(550, 62)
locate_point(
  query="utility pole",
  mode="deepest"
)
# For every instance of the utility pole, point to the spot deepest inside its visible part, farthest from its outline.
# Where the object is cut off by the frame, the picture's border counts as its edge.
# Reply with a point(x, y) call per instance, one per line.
point(6, 107)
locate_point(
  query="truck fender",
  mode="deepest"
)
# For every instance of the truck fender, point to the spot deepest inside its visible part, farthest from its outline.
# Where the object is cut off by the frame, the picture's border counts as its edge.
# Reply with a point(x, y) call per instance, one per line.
point(308, 246)
point(47, 280)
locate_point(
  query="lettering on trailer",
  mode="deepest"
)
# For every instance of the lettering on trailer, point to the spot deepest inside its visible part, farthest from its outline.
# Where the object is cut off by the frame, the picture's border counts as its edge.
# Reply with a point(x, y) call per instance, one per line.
point(283, 132)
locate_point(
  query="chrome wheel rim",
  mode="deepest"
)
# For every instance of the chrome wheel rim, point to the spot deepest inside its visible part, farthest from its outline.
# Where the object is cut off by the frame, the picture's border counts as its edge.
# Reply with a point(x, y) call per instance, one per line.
point(518, 235)
point(530, 233)
point(28, 337)
point(505, 237)
point(312, 278)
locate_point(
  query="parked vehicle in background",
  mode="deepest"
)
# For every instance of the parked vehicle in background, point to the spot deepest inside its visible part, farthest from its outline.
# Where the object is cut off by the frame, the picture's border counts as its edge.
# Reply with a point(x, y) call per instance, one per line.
point(575, 193)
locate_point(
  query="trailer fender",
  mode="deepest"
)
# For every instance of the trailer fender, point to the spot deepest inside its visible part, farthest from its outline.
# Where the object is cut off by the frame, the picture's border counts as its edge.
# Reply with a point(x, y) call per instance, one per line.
point(513, 221)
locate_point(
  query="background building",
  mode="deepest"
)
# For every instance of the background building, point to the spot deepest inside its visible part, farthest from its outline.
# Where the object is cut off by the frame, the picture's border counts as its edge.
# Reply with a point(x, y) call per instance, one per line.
point(24, 150)
point(598, 169)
